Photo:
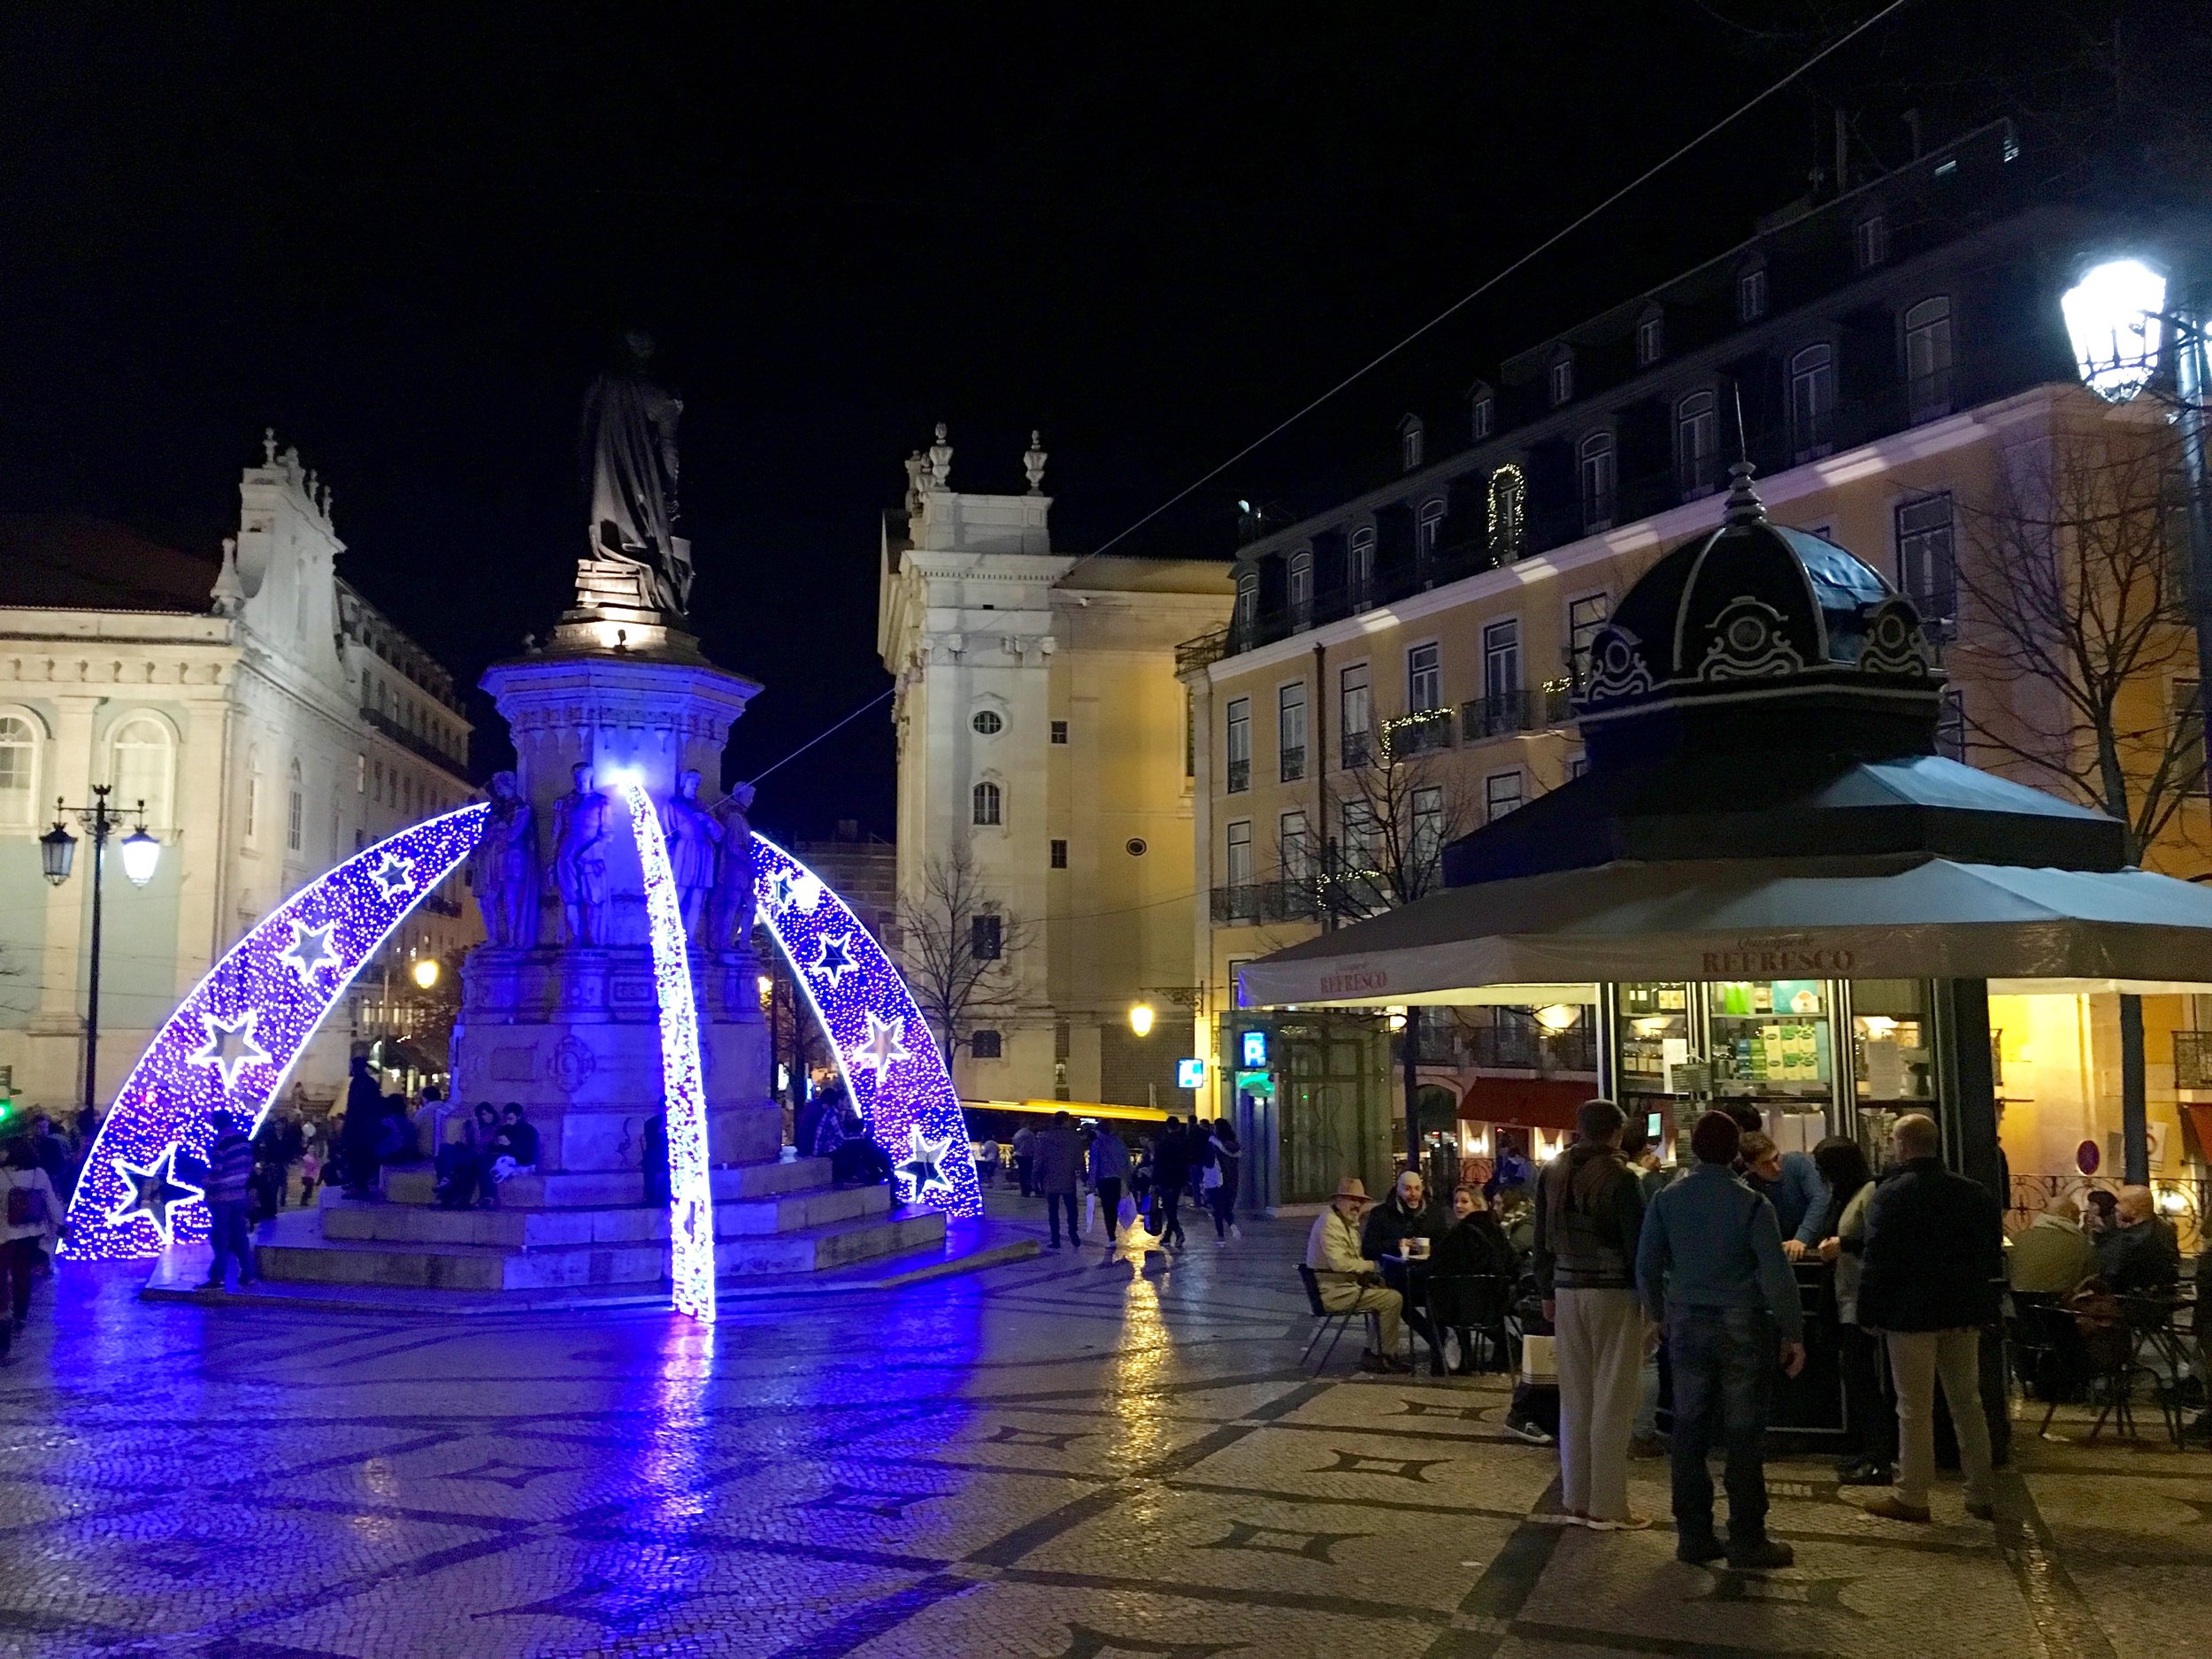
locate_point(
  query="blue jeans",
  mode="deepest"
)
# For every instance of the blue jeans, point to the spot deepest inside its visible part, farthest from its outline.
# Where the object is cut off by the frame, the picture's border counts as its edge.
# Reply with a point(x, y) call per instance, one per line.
point(226, 1232)
point(1723, 1361)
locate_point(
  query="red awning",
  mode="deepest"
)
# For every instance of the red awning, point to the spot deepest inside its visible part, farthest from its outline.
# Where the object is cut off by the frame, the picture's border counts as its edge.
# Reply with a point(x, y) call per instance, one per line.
point(1531, 1102)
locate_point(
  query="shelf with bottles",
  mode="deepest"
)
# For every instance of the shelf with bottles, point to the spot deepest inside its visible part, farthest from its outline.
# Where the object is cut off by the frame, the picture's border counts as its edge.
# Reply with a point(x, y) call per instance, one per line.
point(1769, 1035)
point(1655, 1031)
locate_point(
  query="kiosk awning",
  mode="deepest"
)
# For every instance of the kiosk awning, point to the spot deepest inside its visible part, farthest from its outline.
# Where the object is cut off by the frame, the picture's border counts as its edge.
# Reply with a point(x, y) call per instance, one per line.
point(1905, 917)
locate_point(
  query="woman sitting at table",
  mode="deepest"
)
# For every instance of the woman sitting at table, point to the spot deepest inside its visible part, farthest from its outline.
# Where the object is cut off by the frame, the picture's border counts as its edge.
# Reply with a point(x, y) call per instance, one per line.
point(1474, 1247)
point(1405, 1214)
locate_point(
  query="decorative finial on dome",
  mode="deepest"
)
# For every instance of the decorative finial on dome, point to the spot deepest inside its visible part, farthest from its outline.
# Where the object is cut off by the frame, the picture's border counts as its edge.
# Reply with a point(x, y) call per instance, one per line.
point(1033, 463)
point(1743, 505)
point(268, 446)
point(941, 461)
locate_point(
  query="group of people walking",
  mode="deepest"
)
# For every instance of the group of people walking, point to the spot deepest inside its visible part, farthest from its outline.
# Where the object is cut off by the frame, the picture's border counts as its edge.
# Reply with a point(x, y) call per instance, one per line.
point(1198, 1162)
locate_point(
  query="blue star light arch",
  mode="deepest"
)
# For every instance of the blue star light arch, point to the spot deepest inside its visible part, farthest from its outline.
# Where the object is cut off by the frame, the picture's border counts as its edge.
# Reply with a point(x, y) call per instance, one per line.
point(235, 1037)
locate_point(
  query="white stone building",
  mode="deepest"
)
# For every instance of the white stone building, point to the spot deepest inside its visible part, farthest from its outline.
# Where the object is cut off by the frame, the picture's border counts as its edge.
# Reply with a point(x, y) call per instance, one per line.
point(272, 720)
point(1041, 733)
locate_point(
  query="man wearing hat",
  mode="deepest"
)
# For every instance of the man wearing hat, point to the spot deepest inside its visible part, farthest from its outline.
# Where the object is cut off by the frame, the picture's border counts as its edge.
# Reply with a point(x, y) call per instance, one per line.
point(1349, 1282)
point(1709, 1264)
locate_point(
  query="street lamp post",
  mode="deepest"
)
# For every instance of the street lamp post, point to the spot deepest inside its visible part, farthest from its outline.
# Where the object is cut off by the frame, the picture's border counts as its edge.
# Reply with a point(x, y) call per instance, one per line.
point(57, 853)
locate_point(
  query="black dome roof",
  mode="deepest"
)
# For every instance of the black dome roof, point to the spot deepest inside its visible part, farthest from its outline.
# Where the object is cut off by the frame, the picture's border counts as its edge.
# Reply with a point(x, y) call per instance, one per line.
point(1729, 629)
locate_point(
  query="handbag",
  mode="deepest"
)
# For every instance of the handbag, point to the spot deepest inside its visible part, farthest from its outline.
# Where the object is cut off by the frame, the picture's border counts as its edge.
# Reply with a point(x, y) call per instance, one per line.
point(1539, 1360)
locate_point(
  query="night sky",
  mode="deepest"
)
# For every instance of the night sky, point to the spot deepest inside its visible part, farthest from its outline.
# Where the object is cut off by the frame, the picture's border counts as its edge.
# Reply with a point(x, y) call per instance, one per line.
point(406, 238)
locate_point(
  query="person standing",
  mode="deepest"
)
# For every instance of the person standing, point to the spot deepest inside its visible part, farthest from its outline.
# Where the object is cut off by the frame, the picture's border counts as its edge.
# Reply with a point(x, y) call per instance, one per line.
point(1709, 1266)
point(363, 1120)
point(1055, 1157)
point(1025, 1158)
point(29, 1222)
point(1171, 1173)
point(1221, 1195)
point(310, 1172)
point(229, 1178)
point(1110, 1168)
point(52, 1152)
point(1588, 1211)
point(1850, 1183)
point(1934, 1257)
point(1346, 1280)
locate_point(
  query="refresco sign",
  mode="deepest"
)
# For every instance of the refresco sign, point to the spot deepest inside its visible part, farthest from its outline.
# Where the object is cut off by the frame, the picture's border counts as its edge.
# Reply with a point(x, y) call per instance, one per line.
point(1354, 982)
point(1787, 956)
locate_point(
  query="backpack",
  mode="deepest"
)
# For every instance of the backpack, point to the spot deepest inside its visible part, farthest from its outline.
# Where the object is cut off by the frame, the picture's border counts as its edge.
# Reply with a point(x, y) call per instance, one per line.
point(26, 1207)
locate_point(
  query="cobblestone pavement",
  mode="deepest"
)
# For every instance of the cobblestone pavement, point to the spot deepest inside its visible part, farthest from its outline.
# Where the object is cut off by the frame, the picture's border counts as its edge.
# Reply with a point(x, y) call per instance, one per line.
point(1055, 1458)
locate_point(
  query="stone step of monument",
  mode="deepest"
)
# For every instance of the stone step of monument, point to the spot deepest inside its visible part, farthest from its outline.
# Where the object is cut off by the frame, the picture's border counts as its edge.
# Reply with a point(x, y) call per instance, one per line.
point(584, 1189)
point(450, 1266)
point(817, 1249)
point(512, 1228)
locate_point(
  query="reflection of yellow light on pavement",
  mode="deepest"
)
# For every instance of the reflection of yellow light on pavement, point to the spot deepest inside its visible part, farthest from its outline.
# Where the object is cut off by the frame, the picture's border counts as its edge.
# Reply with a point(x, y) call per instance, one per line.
point(1142, 1361)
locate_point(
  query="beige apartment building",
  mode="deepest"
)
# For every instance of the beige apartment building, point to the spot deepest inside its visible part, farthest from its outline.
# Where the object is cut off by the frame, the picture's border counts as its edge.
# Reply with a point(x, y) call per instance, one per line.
point(1042, 751)
point(1400, 670)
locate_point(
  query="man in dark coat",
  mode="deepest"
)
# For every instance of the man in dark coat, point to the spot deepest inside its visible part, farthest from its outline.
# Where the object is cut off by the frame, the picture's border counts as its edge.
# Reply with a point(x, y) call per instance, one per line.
point(363, 1121)
point(1171, 1173)
point(1934, 1255)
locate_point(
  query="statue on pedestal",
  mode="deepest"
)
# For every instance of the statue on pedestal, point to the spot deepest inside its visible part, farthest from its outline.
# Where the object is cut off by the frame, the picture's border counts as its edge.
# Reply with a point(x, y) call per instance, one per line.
point(579, 863)
point(629, 455)
point(693, 838)
point(730, 914)
point(503, 869)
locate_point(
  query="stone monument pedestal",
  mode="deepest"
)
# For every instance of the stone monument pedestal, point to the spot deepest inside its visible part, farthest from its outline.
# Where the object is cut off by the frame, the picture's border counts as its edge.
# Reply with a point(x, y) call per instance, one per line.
point(561, 1015)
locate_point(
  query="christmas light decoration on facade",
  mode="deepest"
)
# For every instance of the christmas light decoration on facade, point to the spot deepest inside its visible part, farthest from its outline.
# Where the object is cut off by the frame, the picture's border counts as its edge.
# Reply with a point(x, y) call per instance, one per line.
point(690, 1184)
point(234, 1038)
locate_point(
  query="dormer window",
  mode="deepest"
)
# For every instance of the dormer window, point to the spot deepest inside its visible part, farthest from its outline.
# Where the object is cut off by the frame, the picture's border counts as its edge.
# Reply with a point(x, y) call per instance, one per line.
point(1751, 294)
point(1869, 241)
point(1651, 338)
point(1483, 407)
point(1562, 378)
point(1411, 436)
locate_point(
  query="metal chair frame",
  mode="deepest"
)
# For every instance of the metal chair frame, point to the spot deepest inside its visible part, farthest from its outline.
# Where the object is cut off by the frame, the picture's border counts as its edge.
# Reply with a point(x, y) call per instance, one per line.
point(1337, 1317)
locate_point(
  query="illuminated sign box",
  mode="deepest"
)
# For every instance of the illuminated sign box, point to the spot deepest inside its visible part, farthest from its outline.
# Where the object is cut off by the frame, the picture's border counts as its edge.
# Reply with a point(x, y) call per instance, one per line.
point(1190, 1074)
point(1255, 1049)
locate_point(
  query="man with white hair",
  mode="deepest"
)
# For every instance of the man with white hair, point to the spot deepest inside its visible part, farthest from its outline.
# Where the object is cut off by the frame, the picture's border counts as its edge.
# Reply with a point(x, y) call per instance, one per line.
point(2052, 1254)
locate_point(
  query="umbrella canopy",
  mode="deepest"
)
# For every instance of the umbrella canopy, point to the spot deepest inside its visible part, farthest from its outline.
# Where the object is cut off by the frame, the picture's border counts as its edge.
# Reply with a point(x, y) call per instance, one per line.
point(1900, 917)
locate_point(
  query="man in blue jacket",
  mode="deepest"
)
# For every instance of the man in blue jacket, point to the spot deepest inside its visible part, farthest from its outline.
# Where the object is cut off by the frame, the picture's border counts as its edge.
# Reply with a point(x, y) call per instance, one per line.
point(1934, 1255)
point(1710, 1265)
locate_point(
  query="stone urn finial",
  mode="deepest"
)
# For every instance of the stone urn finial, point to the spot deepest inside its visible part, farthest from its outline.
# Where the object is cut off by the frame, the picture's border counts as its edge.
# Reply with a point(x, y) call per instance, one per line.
point(1033, 462)
point(941, 461)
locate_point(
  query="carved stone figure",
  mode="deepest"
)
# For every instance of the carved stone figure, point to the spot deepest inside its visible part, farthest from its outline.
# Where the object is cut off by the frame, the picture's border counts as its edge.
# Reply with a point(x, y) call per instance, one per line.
point(693, 837)
point(629, 456)
point(579, 862)
point(730, 914)
point(503, 869)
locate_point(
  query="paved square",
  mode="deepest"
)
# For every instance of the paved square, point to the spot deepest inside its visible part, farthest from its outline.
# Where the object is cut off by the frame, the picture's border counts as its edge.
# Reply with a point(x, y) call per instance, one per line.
point(1052, 1460)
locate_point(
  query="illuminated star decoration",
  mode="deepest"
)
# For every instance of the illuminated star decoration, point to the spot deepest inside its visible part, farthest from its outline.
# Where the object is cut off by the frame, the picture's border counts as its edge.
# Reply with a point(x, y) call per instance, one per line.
point(230, 1047)
point(895, 1074)
point(155, 1191)
point(923, 1173)
point(835, 961)
point(311, 950)
point(235, 1036)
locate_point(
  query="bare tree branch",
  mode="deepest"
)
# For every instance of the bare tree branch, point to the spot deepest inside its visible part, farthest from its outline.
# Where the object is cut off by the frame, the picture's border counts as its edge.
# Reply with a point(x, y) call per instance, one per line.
point(956, 946)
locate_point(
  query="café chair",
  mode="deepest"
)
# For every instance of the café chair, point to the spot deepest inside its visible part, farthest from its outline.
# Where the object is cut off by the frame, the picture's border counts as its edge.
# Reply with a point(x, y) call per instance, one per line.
point(1477, 1302)
point(1328, 1319)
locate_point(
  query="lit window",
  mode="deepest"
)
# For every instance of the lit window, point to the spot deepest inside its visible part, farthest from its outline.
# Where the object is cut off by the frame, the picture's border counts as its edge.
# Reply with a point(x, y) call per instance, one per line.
point(19, 772)
point(1813, 402)
point(1869, 241)
point(141, 766)
point(1751, 295)
point(1598, 477)
point(1563, 379)
point(1928, 391)
point(987, 724)
point(1651, 339)
point(986, 803)
point(986, 1044)
point(1238, 749)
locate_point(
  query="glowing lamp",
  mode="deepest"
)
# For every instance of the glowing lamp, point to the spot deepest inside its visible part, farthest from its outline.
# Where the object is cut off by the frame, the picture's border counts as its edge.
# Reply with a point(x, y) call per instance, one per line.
point(2112, 317)
point(141, 853)
point(1140, 1019)
point(426, 972)
point(1395, 1018)
point(57, 853)
point(1556, 1017)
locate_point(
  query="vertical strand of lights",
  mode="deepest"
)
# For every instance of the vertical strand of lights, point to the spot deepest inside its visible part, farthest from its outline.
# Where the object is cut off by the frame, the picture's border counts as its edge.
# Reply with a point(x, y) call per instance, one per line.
point(884, 1048)
point(691, 1188)
point(234, 1038)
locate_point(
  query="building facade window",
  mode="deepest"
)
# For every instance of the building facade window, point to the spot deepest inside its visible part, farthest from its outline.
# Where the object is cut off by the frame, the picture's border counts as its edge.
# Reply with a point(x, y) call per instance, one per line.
point(1060, 735)
point(1293, 841)
point(1355, 724)
point(1584, 616)
point(1502, 663)
point(1928, 368)
point(2189, 752)
point(985, 937)
point(1248, 603)
point(1428, 529)
point(1236, 865)
point(1563, 379)
point(1951, 725)
point(141, 766)
point(1290, 731)
point(1813, 402)
point(986, 803)
point(1426, 846)
point(1869, 241)
point(987, 723)
point(1599, 477)
point(19, 772)
point(1356, 822)
point(987, 1045)
point(1927, 563)
point(296, 812)
point(1651, 339)
point(1059, 854)
point(1508, 512)
point(1696, 446)
point(1483, 415)
point(1424, 679)
point(1359, 569)
point(1411, 436)
point(1301, 588)
point(1500, 794)
point(1751, 294)
point(1238, 749)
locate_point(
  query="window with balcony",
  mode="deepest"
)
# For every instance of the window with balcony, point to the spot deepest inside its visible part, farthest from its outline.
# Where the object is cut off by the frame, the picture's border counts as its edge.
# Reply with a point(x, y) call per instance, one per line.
point(1599, 478)
point(1500, 794)
point(1236, 865)
point(1359, 569)
point(1813, 402)
point(1293, 839)
point(1696, 446)
point(1424, 679)
point(1356, 711)
point(1503, 706)
point(1928, 374)
point(1563, 379)
point(1751, 294)
point(1584, 616)
point(984, 804)
point(1869, 241)
point(1290, 731)
point(1247, 611)
point(1508, 512)
point(1239, 748)
point(1300, 586)
point(1651, 339)
point(1927, 563)
point(1428, 530)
